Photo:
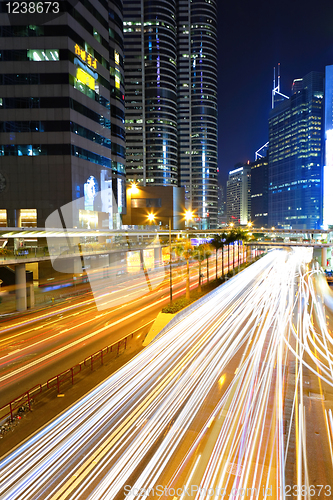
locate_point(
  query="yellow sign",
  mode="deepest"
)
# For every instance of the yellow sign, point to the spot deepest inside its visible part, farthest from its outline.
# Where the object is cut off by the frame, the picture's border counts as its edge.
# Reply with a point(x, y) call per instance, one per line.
point(85, 56)
point(165, 255)
point(83, 77)
point(148, 259)
point(133, 262)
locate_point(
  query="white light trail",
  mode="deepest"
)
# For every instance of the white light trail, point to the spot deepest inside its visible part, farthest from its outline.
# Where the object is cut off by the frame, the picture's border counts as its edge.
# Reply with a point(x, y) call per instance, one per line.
point(130, 428)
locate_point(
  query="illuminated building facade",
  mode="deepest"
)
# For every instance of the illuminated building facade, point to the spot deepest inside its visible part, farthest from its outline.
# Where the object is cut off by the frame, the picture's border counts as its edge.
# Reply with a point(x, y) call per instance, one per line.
point(239, 195)
point(328, 168)
point(295, 156)
point(171, 99)
point(62, 134)
point(149, 206)
point(259, 192)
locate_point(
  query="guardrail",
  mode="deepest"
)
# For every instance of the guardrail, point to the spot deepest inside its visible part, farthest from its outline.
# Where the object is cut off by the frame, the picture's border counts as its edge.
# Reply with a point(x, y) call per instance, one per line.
point(24, 399)
point(65, 376)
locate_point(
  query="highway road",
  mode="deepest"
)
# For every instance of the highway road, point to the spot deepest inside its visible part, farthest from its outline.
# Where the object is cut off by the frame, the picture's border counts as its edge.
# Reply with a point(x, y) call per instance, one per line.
point(232, 400)
point(40, 345)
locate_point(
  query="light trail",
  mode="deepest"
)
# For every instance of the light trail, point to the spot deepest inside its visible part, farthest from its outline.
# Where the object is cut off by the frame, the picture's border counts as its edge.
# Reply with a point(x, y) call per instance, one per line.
point(128, 430)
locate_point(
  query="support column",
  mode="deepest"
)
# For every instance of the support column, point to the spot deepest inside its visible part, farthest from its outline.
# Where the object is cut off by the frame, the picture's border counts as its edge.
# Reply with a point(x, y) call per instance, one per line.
point(157, 257)
point(31, 295)
point(324, 257)
point(248, 253)
point(21, 287)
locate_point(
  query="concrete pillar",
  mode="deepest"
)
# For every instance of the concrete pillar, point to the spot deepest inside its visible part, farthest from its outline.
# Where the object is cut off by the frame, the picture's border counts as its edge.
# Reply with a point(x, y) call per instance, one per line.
point(157, 257)
point(20, 287)
point(324, 257)
point(248, 253)
point(113, 261)
point(31, 295)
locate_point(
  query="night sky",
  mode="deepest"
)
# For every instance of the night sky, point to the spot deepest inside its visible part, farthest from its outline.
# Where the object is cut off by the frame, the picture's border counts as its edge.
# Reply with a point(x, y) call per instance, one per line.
point(253, 36)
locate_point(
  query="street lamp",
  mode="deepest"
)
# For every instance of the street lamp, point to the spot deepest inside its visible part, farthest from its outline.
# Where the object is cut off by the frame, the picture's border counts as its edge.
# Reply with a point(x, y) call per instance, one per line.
point(134, 188)
point(188, 216)
point(170, 264)
point(151, 217)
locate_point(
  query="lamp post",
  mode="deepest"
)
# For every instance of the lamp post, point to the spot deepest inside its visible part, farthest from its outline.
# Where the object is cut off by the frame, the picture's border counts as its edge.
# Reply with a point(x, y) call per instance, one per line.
point(151, 218)
point(188, 218)
point(188, 215)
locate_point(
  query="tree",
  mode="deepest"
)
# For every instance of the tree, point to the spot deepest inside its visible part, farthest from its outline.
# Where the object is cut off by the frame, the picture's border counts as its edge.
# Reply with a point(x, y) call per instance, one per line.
point(187, 253)
point(178, 249)
point(230, 238)
point(208, 252)
point(223, 237)
point(217, 244)
point(200, 253)
point(241, 235)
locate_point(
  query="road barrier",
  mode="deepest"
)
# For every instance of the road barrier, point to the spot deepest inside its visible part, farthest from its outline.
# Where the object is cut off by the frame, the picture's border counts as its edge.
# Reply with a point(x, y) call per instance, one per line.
point(24, 399)
point(57, 380)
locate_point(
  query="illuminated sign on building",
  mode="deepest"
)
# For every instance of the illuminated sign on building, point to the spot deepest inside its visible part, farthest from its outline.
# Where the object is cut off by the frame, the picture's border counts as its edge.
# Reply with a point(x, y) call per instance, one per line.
point(90, 190)
point(84, 78)
point(148, 259)
point(133, 262)
point(85, 56)
point(88, 219)
point(200, 241)
point(165, 256)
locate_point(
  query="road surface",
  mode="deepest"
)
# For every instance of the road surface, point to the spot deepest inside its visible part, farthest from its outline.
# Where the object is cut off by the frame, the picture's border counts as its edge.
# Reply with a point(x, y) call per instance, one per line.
point(217, 406)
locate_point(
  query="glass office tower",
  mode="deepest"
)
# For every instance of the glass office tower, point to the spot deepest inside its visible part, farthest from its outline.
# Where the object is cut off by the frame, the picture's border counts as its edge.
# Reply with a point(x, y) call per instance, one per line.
point(151, 92)
point(295, 157)
point(328, 168)
point(62, 132)
point(171, 99)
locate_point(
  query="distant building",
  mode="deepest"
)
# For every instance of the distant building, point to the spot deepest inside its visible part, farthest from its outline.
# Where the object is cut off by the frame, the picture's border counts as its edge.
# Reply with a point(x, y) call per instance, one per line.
point(155, 206)
point(295, 156)
point(221, 206)
point(239, 195)
point(259, 192)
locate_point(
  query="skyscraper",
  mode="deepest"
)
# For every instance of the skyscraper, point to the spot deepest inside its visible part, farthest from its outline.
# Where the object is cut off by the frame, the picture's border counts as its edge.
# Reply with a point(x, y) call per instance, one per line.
point(328, 168)
point(295, 156)
point(62, 132)
point(171, 99)
point(239, 195)
point(259, 192)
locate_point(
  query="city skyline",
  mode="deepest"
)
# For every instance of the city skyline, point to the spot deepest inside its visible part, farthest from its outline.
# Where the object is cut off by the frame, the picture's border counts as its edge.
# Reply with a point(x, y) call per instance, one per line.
point(252, 40)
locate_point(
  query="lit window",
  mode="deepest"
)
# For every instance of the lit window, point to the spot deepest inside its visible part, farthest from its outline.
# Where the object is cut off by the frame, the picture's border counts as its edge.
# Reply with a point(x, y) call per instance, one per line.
point(116, 57)
point(43, 55)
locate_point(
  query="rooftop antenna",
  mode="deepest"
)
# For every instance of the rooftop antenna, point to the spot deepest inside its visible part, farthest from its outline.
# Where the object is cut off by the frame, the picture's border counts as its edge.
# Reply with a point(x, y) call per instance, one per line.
point(276, 89)
point(261, 153)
